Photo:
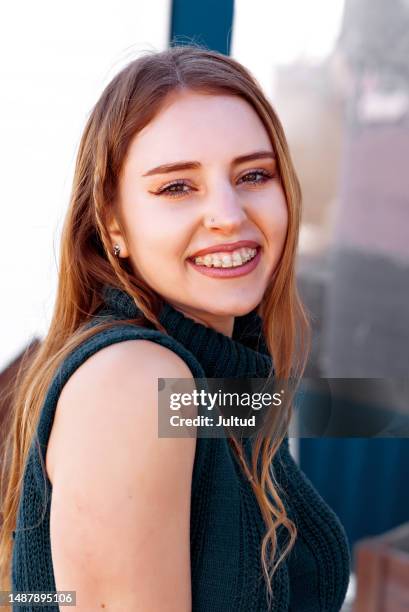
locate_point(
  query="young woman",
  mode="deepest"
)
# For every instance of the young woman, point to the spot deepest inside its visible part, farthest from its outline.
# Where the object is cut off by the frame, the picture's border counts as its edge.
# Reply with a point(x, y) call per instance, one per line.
point(177, 261)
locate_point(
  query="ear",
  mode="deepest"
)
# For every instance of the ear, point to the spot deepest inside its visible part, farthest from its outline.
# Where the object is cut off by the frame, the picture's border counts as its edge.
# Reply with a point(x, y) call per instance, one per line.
point(116, 234)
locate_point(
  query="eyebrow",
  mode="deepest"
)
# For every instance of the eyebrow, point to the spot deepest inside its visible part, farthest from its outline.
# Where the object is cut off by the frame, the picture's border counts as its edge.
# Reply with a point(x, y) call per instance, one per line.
point(195, 165)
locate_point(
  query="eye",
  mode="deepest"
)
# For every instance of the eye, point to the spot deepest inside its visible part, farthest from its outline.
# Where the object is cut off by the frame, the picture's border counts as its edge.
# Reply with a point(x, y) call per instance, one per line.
point(172, 189)
point(265, 174)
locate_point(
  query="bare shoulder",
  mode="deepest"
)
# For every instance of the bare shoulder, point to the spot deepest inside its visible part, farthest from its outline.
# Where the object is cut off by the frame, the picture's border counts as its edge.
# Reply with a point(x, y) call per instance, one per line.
point(116, 484)
point(114, 373)
point(116, 361)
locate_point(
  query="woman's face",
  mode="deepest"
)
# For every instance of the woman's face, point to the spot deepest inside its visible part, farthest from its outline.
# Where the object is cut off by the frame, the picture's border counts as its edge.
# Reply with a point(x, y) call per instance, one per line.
point(167, 212)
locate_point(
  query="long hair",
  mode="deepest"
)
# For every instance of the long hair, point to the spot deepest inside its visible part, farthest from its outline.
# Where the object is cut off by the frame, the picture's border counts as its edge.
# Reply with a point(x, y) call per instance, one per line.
point(128, 103)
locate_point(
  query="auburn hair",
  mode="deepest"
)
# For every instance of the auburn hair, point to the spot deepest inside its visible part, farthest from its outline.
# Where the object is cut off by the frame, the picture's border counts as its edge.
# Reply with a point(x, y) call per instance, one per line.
point(128, 103)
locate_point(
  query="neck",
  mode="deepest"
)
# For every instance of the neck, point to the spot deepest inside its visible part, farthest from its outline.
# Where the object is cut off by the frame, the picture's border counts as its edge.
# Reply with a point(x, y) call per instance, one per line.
point(243, 353)
point(222, 324)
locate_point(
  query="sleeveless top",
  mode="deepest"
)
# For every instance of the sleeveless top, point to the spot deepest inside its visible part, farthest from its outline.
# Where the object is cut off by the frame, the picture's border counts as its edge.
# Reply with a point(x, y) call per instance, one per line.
point(226, 526)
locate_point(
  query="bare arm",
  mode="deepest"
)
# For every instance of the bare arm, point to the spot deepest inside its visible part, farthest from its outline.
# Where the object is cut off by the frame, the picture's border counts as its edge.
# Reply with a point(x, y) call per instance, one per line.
point(120, 510)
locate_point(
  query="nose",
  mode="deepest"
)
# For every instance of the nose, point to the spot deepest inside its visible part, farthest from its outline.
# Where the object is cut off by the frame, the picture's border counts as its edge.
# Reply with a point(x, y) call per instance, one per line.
point(225, 211)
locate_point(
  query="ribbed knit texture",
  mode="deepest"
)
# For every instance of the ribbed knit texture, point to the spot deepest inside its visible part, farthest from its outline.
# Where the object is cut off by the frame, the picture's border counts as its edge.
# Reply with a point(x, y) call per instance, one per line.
point(226, 528)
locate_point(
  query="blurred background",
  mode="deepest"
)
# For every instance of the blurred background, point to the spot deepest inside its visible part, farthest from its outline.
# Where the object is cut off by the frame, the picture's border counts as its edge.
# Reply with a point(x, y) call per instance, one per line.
point(337, 73)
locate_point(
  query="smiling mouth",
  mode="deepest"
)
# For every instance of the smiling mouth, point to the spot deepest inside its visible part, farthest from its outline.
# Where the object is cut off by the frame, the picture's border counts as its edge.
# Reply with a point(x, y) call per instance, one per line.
point(228, 270)
point(226, 259)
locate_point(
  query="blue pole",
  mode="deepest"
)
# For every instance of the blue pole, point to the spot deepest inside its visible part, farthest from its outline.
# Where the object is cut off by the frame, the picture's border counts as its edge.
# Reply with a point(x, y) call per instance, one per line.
point(207, 22)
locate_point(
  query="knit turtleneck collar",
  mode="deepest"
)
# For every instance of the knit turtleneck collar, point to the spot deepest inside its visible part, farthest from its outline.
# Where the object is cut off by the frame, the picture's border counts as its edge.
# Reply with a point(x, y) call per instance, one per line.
point(243, 355)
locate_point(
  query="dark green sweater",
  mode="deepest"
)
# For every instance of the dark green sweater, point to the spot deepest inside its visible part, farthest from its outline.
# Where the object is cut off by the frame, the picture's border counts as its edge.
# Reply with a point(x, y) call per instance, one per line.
point(226, 527)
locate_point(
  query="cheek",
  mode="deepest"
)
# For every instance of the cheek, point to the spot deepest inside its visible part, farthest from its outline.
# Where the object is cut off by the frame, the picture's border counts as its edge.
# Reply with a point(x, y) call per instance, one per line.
point(155, 239)
point(274, 215)
point(281, 216)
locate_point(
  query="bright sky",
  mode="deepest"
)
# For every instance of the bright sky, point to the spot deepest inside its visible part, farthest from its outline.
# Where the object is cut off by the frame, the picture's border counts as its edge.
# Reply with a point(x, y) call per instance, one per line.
point(271, 33)
point(60, 55)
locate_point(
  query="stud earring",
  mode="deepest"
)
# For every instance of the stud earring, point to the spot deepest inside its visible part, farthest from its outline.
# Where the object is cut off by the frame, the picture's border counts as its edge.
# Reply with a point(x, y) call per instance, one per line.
point(116, 250)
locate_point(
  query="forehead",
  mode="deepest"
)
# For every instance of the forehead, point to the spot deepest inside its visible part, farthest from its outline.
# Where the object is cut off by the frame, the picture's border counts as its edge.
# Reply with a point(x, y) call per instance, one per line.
point(200, 127)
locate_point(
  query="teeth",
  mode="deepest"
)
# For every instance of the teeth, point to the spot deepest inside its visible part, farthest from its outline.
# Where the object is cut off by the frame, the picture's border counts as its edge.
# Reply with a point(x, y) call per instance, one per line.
point(217, 262)
point(207, 260)
point(237, 260)
point(226, 260)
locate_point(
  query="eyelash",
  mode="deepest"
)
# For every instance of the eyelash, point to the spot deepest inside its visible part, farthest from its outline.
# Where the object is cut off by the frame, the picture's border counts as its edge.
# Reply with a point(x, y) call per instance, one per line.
point(177, 194)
